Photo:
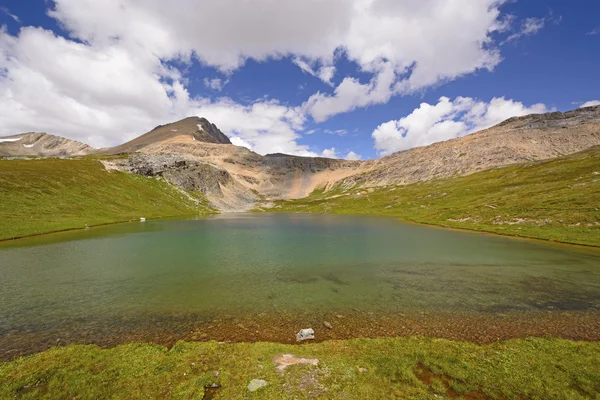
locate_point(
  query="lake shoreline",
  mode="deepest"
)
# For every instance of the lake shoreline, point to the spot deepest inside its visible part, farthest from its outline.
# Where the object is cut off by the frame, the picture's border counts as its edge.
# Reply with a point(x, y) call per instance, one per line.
point(266, 211)
point(167, 330)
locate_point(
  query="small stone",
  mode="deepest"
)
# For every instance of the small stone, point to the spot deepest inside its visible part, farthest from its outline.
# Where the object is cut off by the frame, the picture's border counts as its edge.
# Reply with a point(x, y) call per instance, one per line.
point(339, 316)
point(327, 325)
point(256, 384)
point(215, 386)
point(361, 369)
point(305, 334)
point(216, 374)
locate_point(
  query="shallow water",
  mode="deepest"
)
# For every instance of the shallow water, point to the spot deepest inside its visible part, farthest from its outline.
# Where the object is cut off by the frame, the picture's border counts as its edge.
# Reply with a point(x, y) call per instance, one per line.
point(281, 264)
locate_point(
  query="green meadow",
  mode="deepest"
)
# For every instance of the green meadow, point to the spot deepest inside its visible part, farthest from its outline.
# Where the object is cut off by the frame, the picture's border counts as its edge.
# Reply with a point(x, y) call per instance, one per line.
point(402, 368)
point(47, 195)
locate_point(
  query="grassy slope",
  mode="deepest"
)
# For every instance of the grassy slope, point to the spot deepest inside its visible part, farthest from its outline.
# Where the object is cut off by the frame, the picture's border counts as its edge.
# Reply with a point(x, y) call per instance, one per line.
point(46, 195)
point(531, 368)
point(554, 200)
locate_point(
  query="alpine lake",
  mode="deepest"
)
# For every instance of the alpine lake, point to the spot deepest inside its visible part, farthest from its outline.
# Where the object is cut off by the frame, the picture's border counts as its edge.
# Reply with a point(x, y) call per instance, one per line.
point(262, 277)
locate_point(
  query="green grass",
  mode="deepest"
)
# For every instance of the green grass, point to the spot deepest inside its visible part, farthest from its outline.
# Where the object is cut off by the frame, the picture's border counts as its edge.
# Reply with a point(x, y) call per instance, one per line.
point(47, 195)
point(405, 368)
point(554, 200)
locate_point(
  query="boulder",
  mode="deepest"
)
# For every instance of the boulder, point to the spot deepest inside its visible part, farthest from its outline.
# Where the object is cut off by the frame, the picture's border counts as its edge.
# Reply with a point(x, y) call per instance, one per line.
point(305, 334)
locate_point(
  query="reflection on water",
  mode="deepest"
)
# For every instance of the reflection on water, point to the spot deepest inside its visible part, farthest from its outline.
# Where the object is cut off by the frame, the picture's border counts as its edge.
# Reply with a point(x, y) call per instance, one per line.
point(282, 265)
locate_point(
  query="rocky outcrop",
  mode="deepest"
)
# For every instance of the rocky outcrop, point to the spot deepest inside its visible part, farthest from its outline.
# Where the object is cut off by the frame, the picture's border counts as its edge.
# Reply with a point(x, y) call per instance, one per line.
point(189, 174)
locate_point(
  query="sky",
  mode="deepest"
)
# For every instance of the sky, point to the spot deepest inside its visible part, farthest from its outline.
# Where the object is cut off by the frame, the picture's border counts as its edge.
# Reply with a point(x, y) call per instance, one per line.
point(354, 79)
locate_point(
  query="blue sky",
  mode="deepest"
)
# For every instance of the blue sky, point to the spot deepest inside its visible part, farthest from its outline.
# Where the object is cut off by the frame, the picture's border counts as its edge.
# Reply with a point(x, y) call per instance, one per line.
point(337, 78)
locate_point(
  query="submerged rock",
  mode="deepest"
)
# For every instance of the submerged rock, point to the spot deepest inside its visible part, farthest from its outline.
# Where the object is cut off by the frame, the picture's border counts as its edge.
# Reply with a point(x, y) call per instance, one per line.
point(256, 384)
point(305, 334)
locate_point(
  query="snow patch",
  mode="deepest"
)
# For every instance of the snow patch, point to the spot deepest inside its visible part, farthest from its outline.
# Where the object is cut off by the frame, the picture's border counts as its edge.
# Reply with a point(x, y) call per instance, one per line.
point(28, 145)
point(173, 130)
point(200, 127)
point(10, 140)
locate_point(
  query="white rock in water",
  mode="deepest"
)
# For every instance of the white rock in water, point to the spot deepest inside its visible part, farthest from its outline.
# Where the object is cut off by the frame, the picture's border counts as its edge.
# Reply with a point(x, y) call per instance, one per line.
point(305, 334)
point(142, 219)
point(256, 384)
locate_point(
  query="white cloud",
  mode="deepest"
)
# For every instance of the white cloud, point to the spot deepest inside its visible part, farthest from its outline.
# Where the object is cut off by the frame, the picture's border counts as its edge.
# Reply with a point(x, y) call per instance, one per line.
point(446, 120)
point(114, 81)
point(216, 84)
point(422, 42)
point(106, 95)
point(338, 132)
point(353, 156)
point(595, 31)
point(591, 103)
point(324, 73)
point(330, 153)
point(530, 26)
point(6, 11)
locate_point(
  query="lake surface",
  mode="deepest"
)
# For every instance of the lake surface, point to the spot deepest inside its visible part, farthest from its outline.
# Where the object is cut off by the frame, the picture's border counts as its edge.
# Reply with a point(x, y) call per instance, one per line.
point(220, 273)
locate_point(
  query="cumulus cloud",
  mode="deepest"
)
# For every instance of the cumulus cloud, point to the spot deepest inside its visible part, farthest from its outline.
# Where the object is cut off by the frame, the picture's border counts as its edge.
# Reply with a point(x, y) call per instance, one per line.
point(591, 103)
point(407, 45)
point(333, 153)
point(446, 120)
point(330, 153)
point(111, 78)
point(352, 156)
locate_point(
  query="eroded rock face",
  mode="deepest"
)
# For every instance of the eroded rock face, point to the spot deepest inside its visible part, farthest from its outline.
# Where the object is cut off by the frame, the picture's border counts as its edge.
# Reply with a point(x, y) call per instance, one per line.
point(189, 174)
point(185, 172)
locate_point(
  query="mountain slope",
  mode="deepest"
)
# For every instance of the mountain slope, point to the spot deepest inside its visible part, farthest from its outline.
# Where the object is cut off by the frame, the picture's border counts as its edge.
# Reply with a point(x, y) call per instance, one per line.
point(515, 141)
point(187, 130)
point(40, 144)
point(558, 199)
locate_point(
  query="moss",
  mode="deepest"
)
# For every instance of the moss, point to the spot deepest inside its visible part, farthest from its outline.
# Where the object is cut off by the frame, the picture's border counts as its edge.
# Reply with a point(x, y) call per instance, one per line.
point(46, 195)
point(552, 200)
point(360, 368)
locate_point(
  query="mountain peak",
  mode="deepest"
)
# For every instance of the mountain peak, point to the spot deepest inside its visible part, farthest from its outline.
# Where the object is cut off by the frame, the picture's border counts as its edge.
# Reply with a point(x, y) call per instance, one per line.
point(195, 128)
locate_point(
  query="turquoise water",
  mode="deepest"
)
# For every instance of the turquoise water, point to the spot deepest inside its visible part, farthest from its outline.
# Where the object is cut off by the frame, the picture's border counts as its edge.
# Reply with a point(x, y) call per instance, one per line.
point(283, 263)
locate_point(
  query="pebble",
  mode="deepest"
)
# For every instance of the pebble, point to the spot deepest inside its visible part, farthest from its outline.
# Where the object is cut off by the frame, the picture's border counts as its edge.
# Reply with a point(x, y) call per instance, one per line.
point(327, 325)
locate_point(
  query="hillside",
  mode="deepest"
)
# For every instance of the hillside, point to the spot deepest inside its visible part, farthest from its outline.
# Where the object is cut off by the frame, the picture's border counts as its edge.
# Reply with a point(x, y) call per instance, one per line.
point(48, 195)
point(515, 141)
point(556, 200)
point(37, 144)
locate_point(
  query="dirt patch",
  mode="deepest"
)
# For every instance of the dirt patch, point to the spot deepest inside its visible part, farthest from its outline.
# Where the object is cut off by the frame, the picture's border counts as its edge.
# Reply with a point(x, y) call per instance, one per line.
point(285, 360)
point(429, 378)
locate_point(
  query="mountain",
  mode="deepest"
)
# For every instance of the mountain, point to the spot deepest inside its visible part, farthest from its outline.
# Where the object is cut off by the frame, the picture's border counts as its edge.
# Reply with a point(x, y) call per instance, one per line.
point(195, 155)
point(40, 144)
point(514, 141)
point(190, 129)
